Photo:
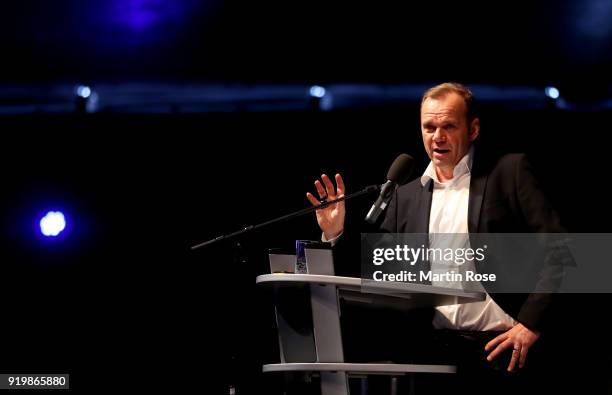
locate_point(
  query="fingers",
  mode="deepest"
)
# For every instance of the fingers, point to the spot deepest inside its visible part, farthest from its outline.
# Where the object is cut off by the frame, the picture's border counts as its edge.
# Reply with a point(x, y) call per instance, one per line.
point(340, 185)
point(320, 189)
point(516, 354)
point(326, 189)
point(329, 187)
point(313, 200)
point(490, 345)
point(520, 339)
point(499, 349)
point(523, 357)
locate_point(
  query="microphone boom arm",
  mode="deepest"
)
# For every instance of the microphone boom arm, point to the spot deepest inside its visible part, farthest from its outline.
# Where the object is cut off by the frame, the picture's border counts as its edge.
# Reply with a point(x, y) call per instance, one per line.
point(366, 190)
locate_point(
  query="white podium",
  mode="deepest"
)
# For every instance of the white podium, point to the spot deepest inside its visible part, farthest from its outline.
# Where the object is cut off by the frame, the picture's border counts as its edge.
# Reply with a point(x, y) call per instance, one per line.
point(308, 318)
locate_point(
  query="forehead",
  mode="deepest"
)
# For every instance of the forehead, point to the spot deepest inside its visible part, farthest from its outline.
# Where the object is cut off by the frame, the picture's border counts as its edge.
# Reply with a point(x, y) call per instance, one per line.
point(449, 106)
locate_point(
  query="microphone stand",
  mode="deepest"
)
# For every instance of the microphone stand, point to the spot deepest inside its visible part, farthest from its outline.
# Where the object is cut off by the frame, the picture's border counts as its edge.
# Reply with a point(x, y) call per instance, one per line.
point(366, 190)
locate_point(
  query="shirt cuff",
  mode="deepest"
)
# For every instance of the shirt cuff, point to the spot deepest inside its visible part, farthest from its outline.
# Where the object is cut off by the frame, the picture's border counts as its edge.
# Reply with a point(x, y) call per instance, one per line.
point(332, 241)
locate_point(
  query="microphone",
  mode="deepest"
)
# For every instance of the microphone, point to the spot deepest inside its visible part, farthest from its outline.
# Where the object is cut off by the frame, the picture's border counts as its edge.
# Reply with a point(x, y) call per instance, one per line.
point(398, 174)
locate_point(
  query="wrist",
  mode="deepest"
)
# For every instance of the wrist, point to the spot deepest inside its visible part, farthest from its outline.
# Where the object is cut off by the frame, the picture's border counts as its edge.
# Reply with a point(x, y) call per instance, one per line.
point(332, 235)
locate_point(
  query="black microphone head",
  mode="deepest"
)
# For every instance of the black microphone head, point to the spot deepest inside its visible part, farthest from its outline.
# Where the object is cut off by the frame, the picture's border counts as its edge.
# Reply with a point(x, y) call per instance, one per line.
point(401, 169)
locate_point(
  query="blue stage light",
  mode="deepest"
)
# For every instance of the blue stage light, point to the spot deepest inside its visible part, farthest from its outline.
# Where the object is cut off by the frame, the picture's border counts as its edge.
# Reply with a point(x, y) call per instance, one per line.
point(317, 91)
point(83, 91)
point(552, 92)
point(53, 223)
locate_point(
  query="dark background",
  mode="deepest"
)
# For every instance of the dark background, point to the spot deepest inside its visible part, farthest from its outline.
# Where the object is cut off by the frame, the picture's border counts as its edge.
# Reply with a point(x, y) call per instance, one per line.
point(204, 125)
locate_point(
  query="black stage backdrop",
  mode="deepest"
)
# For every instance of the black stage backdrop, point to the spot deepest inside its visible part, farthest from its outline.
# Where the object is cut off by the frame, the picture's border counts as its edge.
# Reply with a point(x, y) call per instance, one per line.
point(122, 300)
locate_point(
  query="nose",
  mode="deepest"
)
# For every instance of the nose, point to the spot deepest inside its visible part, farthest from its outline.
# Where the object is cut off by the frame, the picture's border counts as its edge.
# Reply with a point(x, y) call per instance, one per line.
point(439, 136)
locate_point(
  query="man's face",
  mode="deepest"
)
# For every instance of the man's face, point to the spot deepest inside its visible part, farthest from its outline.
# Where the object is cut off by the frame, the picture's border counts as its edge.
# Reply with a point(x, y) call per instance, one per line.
point(446, 133)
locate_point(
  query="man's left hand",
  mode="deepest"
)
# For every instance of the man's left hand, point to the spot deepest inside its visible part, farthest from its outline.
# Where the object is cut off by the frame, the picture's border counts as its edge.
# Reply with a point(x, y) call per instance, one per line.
point(520, 338)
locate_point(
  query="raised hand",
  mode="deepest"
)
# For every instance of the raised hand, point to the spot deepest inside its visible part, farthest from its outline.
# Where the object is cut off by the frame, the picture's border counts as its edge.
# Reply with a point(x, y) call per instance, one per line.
point(330, 218)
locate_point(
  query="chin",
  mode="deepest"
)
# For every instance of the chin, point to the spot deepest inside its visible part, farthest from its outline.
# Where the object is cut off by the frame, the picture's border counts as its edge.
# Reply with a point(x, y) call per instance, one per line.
point(442, 164)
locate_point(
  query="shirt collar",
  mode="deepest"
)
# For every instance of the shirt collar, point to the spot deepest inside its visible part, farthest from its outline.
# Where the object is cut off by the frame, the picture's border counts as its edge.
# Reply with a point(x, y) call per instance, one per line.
point(463, 167)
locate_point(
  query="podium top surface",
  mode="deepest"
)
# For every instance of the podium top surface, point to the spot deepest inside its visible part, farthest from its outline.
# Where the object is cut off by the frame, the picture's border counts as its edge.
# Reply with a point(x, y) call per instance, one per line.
point(367, 287)
point(359, 368)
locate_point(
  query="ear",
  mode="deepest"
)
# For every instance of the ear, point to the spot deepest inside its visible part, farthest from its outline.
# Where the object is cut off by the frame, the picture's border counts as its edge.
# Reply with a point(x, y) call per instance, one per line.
point(474, 129)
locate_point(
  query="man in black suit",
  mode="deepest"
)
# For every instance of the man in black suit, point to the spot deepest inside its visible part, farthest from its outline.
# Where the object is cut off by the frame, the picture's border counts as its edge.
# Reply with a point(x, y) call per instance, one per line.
point(463, 191)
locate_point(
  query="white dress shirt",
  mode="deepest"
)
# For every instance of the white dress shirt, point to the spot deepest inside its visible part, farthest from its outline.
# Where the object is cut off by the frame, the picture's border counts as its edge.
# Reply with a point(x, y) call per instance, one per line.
point(449, 215)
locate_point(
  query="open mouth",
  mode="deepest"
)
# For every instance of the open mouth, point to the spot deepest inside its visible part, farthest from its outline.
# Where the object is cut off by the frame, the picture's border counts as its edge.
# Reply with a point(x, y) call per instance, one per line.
point(441, 151)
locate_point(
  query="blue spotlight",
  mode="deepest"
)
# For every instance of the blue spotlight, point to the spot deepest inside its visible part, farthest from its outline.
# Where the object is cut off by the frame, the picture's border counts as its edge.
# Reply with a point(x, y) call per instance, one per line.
point(52, 224)
point(83, 91)
point(317, 91)
point(552, 92)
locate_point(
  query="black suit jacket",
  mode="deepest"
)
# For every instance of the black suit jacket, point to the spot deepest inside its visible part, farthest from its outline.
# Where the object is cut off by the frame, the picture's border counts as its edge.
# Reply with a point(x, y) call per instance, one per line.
point(504, 198)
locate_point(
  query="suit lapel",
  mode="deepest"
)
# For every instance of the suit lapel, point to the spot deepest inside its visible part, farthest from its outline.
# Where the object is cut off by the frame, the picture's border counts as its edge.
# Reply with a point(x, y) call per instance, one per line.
point(424, 208)
point(478, 184)
point(422, 220)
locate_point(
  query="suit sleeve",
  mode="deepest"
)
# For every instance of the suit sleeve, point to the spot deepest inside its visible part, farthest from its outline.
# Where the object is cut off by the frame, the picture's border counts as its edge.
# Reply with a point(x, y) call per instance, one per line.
point(535, 208)
point(540, 217)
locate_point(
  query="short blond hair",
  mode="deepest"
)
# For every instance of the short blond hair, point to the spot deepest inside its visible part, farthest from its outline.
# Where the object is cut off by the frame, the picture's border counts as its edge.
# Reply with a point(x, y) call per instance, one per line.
point(454, 87)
